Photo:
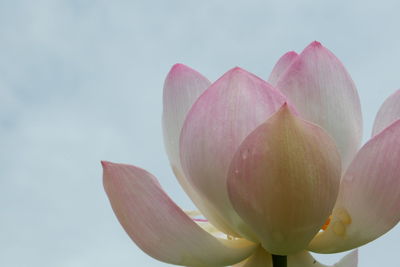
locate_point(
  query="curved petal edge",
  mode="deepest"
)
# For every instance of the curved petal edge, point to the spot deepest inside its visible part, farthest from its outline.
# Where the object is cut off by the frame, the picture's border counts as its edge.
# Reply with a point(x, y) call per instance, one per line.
point(281, 66)
point(369, 198)
point(182, 86)
point(283, 181)
point(215, 126)
point(159, 227)
point(305, 259)
point(322, 91)
point(388, 113)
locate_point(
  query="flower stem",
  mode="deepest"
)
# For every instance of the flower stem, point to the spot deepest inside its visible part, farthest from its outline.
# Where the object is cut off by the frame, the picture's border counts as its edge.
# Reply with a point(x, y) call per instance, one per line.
point(279, 261)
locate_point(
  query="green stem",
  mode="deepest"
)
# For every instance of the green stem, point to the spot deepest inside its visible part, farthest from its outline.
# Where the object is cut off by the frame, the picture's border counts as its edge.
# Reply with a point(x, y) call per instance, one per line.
point(279, 261)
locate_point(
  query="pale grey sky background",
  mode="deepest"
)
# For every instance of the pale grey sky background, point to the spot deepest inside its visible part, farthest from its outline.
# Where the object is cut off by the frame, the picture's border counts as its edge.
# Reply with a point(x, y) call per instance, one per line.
point(81, 81)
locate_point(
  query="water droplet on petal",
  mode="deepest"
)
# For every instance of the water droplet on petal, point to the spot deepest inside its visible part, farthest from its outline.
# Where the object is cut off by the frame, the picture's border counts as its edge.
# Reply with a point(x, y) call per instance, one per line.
point(245, 154)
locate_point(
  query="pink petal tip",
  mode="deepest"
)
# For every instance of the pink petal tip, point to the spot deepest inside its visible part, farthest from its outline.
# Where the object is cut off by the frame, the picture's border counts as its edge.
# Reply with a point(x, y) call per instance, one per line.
point(315, 44)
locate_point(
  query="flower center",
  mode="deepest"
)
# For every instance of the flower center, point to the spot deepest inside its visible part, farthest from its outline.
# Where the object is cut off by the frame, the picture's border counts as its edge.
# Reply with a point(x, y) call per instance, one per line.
point(328, 221)
point(339, 220)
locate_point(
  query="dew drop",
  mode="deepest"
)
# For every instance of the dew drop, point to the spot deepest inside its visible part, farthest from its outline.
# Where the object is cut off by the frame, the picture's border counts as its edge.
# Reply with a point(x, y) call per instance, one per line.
point(245, 154)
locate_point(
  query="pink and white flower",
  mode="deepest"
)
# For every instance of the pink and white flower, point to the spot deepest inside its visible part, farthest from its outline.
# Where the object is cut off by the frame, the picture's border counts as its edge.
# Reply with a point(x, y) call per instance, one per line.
point(274, 167)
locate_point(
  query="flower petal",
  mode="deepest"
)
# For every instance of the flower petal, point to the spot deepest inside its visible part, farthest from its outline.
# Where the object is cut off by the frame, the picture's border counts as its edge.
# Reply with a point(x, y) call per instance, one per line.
point(281, 66)
point(369, 198)
point(350, 260)
point(159, 227)
point(388, 113)
point(305, 259)
point(283, 181)
point(182, 87)
point(217, 123)
point(321, 89)
point(262, 258)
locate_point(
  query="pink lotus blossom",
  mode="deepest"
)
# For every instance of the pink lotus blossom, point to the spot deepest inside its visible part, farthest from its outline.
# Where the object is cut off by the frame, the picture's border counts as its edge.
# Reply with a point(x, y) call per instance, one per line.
point(273, 167)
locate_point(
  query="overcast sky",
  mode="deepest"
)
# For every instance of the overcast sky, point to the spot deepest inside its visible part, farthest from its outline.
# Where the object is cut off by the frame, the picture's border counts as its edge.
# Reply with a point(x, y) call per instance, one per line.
point(81, 81)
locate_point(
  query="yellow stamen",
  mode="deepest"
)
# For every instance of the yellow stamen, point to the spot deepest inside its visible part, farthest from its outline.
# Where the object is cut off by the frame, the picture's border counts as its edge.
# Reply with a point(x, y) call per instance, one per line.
point(328, 221)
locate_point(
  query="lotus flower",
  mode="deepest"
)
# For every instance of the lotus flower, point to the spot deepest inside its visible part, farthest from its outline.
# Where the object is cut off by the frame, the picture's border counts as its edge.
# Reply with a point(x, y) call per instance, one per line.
point(273, 167)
